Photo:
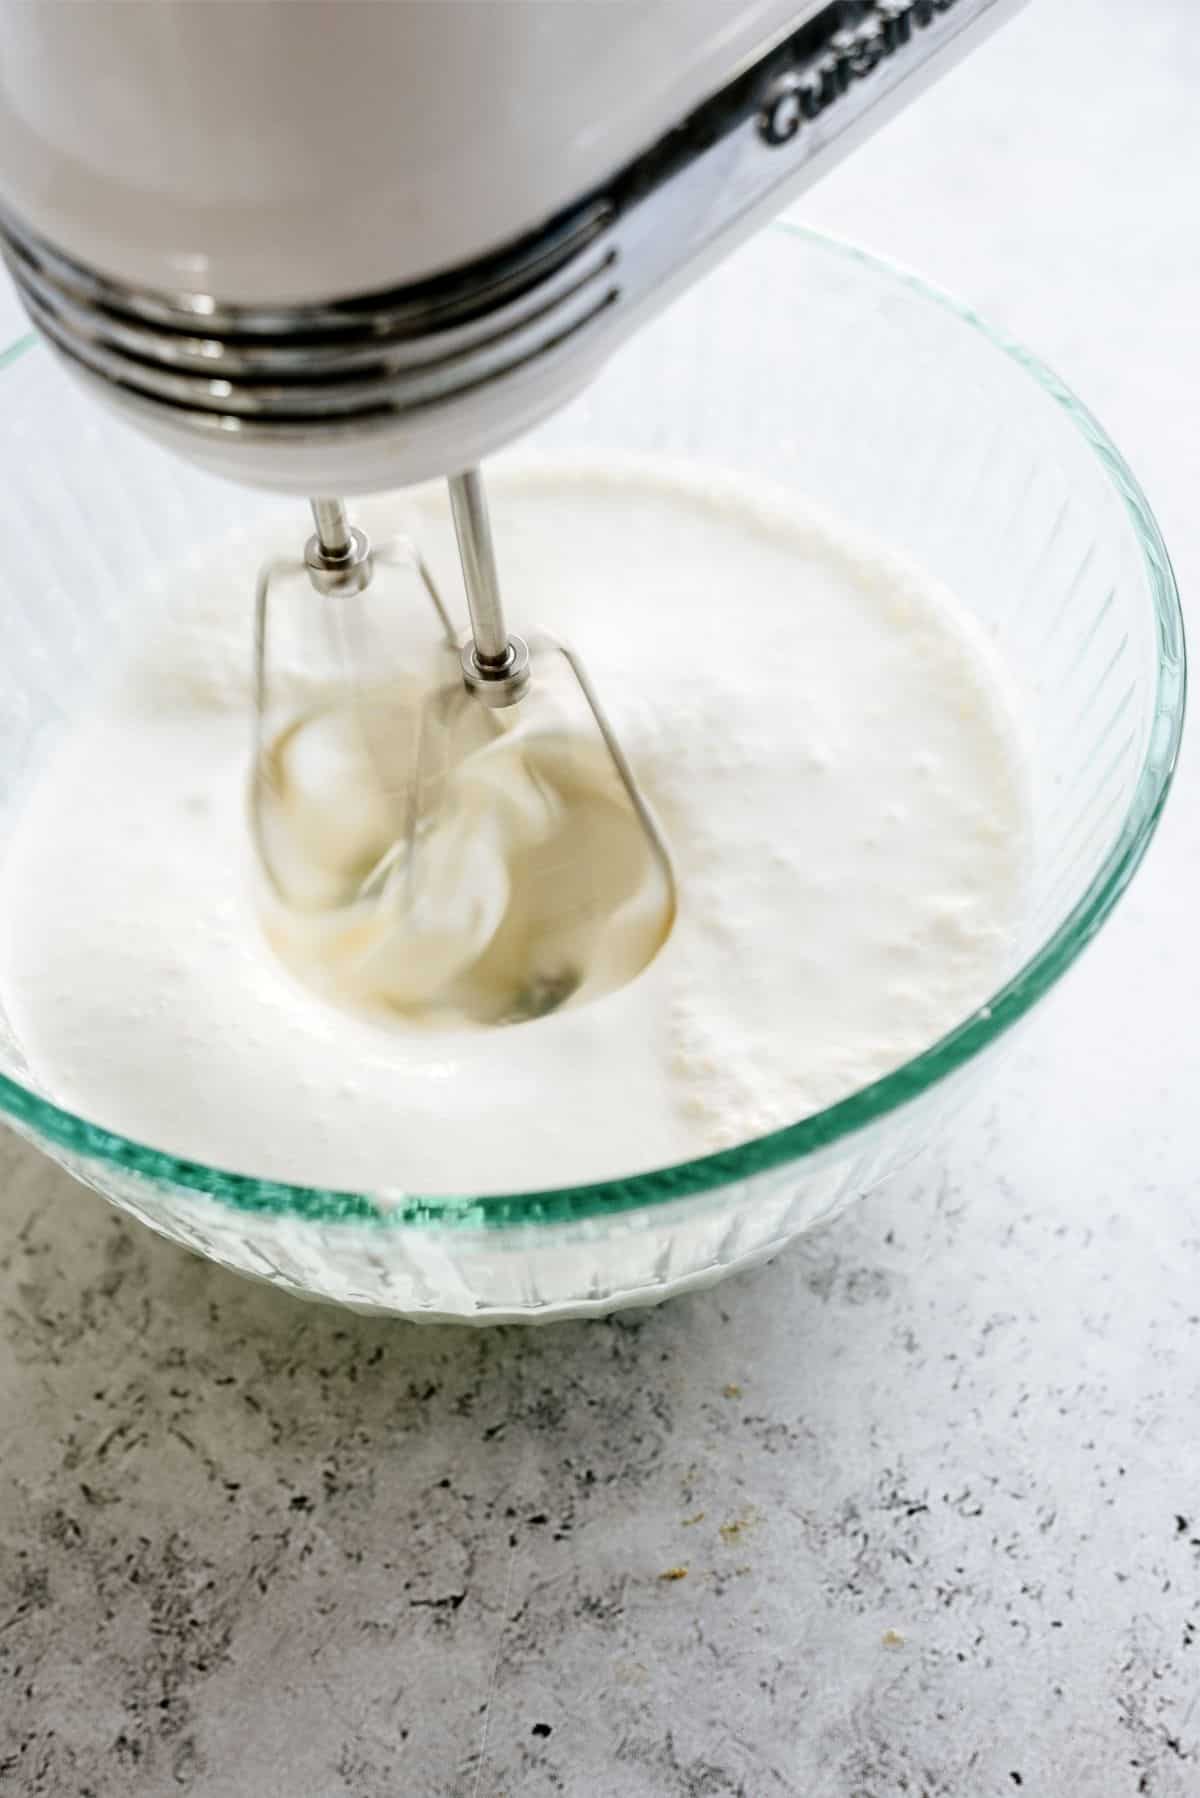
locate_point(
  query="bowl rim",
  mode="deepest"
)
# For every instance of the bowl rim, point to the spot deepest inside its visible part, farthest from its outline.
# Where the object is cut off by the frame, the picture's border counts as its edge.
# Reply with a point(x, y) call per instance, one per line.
point(793, 1142)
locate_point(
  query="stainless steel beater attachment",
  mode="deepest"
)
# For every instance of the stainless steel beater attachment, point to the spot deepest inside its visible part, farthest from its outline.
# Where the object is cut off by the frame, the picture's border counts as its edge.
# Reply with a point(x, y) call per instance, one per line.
point(449, 830)
point(495, 664)
point(338, 557)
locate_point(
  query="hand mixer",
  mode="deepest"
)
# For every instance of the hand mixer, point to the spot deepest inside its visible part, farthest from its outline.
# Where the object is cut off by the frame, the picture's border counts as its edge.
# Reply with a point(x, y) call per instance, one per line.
point(346, 246)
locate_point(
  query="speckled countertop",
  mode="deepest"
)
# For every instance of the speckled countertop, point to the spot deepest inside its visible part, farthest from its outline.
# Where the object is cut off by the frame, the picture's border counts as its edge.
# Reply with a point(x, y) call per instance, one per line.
point(912, 1513)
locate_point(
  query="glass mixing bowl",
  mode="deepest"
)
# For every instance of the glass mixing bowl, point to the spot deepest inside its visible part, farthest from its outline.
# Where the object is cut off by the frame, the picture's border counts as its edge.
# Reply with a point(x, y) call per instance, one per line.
point(815, 365)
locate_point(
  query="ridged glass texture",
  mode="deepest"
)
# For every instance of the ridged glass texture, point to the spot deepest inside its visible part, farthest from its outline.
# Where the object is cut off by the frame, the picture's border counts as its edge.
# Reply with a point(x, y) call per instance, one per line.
point(817, 366)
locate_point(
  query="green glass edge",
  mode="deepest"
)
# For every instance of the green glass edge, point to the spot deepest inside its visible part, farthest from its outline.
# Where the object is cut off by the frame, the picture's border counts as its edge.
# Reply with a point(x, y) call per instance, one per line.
point(795, 1141)
point(14, 350)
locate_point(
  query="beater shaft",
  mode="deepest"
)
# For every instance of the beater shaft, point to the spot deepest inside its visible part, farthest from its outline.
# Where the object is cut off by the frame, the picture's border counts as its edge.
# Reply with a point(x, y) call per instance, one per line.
point(337, 556)
point(473, 529)
point(495, 664)
point(333, 526)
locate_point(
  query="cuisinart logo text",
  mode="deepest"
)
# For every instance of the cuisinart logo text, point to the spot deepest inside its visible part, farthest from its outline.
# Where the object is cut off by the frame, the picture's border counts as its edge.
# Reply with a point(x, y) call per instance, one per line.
point(852, 51)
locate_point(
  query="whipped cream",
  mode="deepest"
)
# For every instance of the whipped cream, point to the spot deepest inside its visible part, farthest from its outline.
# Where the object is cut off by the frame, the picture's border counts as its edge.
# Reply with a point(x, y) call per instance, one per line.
point(425, 856)
point(825, 735)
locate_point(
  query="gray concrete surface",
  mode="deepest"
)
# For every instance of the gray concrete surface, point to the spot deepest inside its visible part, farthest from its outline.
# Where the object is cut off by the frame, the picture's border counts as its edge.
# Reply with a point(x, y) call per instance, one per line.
point(930, 1483)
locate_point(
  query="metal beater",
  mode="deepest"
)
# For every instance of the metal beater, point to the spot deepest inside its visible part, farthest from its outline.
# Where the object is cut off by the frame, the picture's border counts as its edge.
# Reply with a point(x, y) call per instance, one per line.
point(450, 832)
